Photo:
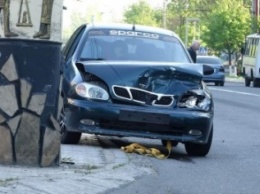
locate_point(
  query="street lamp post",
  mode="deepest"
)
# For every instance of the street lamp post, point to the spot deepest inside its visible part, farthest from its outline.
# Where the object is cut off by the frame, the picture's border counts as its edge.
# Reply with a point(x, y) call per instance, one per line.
point(186, 27)
point(165, 3)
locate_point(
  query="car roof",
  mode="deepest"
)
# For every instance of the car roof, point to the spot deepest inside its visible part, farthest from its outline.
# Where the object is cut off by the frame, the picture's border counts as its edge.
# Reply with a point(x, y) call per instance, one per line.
point(122, 26)
point(255, 35)
point(207, 57)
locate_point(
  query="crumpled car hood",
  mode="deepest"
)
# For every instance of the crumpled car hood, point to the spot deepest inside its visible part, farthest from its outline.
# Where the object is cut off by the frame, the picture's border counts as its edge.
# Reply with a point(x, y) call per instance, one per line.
point(159, 77)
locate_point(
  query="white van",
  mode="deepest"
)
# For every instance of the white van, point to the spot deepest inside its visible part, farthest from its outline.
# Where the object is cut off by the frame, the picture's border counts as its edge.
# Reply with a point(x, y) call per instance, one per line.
point(251, 60)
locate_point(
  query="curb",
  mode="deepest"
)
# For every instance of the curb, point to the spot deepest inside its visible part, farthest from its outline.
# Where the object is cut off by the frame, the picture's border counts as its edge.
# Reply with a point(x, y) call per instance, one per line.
point(234, 79)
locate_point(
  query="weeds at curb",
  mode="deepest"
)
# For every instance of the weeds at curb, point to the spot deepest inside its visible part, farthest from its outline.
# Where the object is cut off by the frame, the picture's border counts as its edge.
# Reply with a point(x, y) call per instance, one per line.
point(90, 167)
point(234, 77)
point(6, 182)
point(67, 161)
point(118, 166)
point(86, 169)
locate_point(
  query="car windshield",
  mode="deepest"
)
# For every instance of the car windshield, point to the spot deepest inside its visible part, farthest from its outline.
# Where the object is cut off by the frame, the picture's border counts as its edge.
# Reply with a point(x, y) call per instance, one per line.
point(132, 45)
point(209, 60)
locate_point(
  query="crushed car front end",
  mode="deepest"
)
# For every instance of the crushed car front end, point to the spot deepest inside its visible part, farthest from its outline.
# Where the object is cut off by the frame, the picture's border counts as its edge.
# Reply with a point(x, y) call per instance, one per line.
point(135, 81)
point(153, 102)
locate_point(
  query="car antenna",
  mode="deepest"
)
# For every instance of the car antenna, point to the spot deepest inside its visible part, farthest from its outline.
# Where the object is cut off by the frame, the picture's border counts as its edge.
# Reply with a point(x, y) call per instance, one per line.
point(133, 27)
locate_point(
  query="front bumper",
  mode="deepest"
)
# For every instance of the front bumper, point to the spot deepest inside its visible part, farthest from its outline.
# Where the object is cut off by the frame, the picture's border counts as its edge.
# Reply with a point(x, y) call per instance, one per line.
point(137, 121)
point(217, 77)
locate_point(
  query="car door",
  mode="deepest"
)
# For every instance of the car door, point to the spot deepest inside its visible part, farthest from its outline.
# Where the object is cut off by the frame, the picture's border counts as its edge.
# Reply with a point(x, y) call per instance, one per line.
point(71, 46)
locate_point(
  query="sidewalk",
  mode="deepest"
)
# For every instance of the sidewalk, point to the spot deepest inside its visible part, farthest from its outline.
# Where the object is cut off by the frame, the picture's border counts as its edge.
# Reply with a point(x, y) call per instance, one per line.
point(85, 169)
point(234, 79)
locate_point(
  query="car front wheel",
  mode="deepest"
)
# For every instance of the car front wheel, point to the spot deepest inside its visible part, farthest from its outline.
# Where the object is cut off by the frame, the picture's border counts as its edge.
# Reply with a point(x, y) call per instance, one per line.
point(67, 137)
point(219, 83)
point(247, 82)
point(199, 149)
point(256, 83)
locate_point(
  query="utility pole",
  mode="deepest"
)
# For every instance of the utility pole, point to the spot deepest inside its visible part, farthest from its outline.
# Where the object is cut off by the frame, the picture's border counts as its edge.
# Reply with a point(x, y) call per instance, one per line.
point(164, 12)
point(255, 15)
point(257, 9)
point(165, 3)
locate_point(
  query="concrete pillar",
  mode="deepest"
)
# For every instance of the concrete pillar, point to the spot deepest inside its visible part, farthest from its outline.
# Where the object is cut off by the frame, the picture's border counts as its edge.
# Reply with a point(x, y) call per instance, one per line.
point(30, 59)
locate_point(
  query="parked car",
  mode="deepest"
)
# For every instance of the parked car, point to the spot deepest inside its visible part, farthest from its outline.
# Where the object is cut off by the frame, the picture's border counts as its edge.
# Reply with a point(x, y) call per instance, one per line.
point(134, 81)
point(218, 77)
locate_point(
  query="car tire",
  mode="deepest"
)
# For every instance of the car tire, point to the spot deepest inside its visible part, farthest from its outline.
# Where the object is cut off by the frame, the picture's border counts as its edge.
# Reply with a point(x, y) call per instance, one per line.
point(216, 83)
point(256, 83)
point(199, 149)
point(221, 83)
point(174, 143)
point(68, 137)
point(247, 82)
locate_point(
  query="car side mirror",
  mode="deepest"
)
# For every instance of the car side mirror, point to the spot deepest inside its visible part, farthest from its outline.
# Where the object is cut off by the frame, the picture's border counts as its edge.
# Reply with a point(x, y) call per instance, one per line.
point(207, 70)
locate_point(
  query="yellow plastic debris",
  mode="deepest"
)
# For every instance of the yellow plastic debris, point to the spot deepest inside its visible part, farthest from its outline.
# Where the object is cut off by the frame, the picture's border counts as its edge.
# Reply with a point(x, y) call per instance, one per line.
point(139, 149)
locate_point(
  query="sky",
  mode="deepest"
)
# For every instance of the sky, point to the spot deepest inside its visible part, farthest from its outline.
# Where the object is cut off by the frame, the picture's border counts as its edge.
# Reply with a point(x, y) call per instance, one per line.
point(107, 10)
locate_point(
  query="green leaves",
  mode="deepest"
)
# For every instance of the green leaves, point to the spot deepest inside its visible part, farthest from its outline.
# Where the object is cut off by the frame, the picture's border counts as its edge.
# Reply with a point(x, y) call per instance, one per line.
point(223, 24)
point(227, 26)
point(141, 13)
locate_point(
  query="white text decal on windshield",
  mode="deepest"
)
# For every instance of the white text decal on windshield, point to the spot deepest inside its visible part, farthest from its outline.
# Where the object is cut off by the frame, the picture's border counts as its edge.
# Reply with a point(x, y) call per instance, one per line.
point(133, 33)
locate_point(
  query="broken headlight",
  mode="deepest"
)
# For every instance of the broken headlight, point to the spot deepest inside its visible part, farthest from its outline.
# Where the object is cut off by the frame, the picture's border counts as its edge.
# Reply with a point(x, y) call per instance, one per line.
point(195, 100)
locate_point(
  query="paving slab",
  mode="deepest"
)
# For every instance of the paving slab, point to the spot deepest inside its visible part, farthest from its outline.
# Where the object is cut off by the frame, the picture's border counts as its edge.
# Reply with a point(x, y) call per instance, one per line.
point(84, 169)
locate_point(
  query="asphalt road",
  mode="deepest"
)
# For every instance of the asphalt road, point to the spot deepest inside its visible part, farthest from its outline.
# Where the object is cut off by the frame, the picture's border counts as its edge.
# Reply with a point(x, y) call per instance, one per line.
point(97, 165)
point(231, 167)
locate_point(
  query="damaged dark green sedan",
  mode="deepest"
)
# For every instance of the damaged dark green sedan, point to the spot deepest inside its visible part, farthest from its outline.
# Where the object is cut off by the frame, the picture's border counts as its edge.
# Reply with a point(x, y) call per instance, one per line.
point(134, 81)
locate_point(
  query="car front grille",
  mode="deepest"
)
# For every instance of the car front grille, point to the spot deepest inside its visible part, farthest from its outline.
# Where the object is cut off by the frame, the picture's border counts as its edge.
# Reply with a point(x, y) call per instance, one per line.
point(143, 96)
point(145, 128)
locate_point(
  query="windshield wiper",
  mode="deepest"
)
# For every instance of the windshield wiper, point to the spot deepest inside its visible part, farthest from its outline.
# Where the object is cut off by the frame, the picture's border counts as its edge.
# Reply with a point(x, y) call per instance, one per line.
point(92, 59)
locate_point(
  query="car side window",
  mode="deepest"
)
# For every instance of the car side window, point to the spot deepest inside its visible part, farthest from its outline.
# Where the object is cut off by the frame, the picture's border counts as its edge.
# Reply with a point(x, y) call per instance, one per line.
point(92, 49)
point(72, 43)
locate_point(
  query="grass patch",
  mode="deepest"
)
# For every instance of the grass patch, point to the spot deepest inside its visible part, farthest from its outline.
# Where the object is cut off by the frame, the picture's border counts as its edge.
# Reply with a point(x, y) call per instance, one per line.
point(236, 77)
point(118, 166)
point(86, 169)
point(90, 167)
point(6, 182)
point(67, 161)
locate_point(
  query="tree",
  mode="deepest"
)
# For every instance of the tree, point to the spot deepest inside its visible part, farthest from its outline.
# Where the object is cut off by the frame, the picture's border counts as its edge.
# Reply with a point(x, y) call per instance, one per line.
point(141, 13)
point(226, 26)
point(179, 11)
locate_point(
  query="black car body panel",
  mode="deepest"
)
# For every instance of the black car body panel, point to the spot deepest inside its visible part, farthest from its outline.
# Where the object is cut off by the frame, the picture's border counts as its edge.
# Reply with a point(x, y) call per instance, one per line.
point(138, 121)
point(145, 98)
point(218, 76)
point(136, 74)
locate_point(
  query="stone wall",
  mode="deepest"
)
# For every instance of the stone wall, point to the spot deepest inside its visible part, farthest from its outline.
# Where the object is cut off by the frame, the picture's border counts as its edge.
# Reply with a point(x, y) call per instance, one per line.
point(30, 102)
point(30, 56)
